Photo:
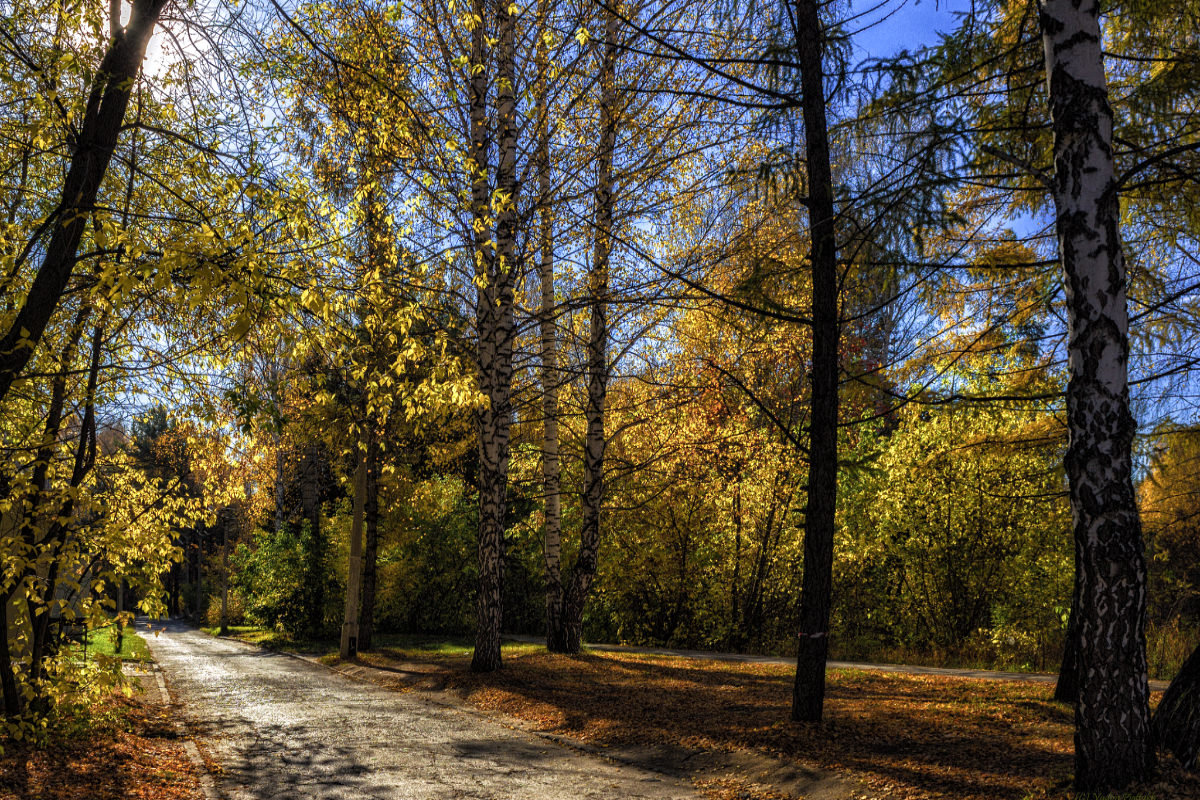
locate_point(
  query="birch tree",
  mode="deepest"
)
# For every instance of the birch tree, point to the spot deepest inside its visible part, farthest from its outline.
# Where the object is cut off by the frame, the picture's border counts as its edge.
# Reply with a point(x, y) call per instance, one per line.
point(1113, 741)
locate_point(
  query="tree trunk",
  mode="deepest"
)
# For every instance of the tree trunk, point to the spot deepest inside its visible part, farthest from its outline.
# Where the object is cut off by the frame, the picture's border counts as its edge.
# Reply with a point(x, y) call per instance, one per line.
point(98, 134)
point(349, 640)
point(595, 443)
point(314, 556)
point(808, 697)
point(120, 615)
point(51, 545)
point(1066, 689)
point(1113, 737)
point(551, 466)
point(8, 679)
point(366, 619)
point(1177, 718)
point(494, 320)
point(224, 631)
point(173, 591)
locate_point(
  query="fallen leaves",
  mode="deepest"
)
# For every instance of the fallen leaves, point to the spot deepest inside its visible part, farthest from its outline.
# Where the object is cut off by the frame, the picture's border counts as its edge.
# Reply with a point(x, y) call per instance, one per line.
point(898, 736)
point(135, 755)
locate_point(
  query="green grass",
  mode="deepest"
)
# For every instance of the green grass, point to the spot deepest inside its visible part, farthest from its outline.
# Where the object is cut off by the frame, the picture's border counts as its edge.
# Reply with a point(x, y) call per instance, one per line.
point(401, 645)
point(133, 646)
point(425, 645)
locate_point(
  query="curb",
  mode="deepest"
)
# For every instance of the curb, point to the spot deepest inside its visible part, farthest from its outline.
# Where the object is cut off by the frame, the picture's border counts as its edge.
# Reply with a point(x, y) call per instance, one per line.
point(208, 786)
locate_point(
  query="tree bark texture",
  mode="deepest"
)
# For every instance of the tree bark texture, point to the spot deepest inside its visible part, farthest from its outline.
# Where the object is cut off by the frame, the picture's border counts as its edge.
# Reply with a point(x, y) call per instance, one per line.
point(349, 639)
point(366, 617)
point(93, 150)
point(1113, 737)
point(595, 442)
point(1066, 688)
point(311, 473)
point(1177, 718)
point(496, 271)
point(808, 696)
point(551, 377)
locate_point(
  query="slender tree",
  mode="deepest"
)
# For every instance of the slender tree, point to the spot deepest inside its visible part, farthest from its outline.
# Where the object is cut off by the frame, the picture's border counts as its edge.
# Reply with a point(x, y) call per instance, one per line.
point(551, 376)
point(595, 441)
point(808, 696)
point(94, 145)
point(496, 273)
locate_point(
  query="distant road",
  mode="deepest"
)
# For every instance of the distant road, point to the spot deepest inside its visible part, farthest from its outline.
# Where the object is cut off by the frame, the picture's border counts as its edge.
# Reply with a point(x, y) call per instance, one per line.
point(281, 727)
point(907, 669)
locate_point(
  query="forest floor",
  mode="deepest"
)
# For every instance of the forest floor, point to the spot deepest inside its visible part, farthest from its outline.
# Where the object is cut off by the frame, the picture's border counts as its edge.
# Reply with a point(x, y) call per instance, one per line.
point(724, 723)
point(127, 748)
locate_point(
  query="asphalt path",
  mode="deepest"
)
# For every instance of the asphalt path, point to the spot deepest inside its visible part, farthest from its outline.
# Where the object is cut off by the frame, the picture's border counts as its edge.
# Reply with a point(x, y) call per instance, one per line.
point(283, 728)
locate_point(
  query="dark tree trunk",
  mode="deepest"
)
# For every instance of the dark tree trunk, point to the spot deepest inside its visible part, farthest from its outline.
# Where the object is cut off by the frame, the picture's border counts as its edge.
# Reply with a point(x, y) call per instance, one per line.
point(173, 594)
point(8, 680)
point(808, 697)
point(1066, 689)
point(98, 134)
point(1177, 718)
point(1113, 737)
point(50, 546)
point(311, 470)
point(349, 639)
point(594, 446)
point(366, 621)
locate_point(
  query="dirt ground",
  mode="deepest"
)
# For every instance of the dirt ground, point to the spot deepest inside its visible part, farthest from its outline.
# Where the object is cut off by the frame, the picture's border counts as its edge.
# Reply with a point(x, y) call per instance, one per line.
point(885, 735)
point(132, 753)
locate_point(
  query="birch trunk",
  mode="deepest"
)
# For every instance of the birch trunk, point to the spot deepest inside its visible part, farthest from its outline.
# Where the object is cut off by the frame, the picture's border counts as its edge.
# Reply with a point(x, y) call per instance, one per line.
point(551, 466)
point(808, 696)
point(1113, 739)
point(494, 320)
point(584, 571)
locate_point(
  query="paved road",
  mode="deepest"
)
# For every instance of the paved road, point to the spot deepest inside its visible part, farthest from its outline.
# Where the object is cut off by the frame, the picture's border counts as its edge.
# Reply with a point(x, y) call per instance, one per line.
point(907, 669)
point(284, 728)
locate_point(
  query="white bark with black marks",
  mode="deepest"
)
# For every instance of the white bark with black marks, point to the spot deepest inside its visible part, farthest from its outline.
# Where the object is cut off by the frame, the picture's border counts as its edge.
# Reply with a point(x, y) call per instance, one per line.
point(494, 304)
point(1113, 739)
point(595, 441)
point(550, 373)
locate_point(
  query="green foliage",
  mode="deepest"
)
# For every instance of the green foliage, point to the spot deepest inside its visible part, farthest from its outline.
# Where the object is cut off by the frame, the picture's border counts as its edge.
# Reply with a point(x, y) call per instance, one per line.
point(959, 538)
point(272, 575)
point(235, 609)
point(427, 568)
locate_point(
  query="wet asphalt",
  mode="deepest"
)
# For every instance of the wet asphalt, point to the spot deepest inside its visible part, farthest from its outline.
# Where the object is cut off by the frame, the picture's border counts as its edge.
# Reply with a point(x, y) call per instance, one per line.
point(284, 728)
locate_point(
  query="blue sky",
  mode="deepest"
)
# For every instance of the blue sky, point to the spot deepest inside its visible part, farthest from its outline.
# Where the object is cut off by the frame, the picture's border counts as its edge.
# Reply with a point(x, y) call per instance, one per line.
point(897, 25)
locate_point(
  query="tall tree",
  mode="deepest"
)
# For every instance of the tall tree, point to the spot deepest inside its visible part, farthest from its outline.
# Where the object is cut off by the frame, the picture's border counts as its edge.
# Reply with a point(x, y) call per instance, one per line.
point(1113, 739)
point(496, 273)
point(551, 376)
point(808, 696)
point(570, 639)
